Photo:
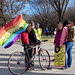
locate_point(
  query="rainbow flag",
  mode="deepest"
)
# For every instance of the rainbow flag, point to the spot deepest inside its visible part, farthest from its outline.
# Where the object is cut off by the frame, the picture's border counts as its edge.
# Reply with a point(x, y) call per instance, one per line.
point(12, 31)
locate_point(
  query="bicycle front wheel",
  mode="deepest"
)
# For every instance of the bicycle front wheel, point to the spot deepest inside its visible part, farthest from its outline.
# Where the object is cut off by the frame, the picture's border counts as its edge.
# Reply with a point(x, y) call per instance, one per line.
point(44, 59)
point(17, 63)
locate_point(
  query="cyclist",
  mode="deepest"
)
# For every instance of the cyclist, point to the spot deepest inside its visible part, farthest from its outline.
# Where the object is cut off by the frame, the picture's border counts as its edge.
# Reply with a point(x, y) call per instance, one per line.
point(25, 41)
point(32, 37)
point(25, 38)
point(29, 37)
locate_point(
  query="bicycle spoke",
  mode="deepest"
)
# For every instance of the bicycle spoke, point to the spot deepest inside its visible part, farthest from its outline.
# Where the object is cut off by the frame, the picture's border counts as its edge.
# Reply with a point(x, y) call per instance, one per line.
point(17, 63)
point(44, 59)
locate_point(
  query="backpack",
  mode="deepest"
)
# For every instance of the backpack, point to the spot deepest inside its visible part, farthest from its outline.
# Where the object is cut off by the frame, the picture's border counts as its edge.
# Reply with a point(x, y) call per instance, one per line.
point(71, 33)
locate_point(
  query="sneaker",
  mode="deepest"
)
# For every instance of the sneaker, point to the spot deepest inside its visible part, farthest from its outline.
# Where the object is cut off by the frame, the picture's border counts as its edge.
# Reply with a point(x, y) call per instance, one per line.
point(53, 60)
point(62, 68)
point(30, 69)
point(66, 67)
point(69, 66)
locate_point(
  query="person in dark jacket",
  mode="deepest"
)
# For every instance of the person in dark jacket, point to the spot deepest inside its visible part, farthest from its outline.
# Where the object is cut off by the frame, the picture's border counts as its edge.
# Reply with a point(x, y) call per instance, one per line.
point(25, 41)
point(29, 37)
point(32, 36)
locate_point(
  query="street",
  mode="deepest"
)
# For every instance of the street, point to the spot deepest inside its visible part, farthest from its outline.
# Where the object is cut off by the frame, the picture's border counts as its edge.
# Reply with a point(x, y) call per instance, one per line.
point(5, 53)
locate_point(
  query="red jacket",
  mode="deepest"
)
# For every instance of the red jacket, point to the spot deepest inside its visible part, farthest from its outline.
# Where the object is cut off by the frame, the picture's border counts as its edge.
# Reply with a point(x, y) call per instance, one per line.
point(24, 37)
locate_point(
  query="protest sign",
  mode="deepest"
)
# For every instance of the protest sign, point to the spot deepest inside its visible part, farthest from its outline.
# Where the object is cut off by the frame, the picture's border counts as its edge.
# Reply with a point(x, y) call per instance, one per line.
point(59, 56)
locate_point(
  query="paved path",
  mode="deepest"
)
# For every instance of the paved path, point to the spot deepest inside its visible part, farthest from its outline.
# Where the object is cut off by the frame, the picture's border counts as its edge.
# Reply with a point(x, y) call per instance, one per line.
point(5, 53)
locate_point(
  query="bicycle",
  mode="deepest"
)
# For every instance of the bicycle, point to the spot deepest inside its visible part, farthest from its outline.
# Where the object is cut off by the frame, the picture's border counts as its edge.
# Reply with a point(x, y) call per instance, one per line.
point(18, 62)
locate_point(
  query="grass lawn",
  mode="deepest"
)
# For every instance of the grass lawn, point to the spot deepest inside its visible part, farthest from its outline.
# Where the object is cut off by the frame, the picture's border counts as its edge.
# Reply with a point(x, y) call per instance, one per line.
point(50, 39)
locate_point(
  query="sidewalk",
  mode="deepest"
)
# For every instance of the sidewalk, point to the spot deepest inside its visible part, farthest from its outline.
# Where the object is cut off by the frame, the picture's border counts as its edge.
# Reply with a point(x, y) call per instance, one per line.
point(5, 53)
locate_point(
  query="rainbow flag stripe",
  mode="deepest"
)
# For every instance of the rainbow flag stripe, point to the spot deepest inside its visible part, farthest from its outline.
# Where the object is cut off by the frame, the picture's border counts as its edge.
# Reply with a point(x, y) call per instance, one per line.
point(12, 31)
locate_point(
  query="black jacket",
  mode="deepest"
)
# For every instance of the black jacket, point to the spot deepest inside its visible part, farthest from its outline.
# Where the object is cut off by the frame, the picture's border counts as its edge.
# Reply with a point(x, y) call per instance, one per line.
point(33, 38)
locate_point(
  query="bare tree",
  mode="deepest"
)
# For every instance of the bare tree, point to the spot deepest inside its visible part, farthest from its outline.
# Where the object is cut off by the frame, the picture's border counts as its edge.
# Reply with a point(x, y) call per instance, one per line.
point(59, 6)
point(10, 8)
point(43, 13)
point(70, 14)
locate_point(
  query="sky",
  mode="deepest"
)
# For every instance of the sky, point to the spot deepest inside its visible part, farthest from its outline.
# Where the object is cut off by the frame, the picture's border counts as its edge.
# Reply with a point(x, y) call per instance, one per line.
point(28, 9)
point(71, 3)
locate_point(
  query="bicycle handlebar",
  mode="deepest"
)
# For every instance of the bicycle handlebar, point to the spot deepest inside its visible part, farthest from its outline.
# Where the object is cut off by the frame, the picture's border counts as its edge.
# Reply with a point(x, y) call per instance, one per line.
point(33, 44)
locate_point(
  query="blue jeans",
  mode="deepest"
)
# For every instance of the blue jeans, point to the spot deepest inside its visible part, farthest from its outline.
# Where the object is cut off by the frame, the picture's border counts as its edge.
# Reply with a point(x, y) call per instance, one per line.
point(68, 56)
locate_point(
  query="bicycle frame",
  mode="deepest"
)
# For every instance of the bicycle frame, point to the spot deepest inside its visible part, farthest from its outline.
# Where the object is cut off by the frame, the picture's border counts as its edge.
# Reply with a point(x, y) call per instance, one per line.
point(24, 58)
point(37, 47)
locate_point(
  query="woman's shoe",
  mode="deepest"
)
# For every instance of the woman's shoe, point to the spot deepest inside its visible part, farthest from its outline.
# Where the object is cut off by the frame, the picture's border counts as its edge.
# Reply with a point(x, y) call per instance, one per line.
point(66, 67)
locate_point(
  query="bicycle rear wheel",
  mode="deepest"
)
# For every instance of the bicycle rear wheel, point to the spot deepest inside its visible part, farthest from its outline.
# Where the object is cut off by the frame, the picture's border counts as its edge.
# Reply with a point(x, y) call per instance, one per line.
point(17, 63)
point(44, 59)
